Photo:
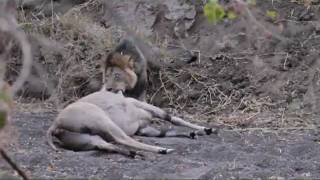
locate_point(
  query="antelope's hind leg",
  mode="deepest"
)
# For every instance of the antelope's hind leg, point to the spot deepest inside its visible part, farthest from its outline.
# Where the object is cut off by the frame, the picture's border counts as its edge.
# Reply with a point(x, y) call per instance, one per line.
point(126, 140)
point(153, 132)
point(107, 128)
point(86, 142)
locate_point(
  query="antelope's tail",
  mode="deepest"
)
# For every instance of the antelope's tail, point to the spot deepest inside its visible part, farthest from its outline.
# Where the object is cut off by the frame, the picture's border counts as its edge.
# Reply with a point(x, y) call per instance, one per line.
point(50, 137)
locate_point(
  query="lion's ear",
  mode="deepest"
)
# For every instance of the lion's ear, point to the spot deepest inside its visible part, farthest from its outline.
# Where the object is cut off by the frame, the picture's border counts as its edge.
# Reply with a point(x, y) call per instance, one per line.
point(108, 60)
point(131, 62)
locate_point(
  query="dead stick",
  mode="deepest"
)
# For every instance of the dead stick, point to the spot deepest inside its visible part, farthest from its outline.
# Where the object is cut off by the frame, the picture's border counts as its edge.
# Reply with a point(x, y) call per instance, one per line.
point(13, 164)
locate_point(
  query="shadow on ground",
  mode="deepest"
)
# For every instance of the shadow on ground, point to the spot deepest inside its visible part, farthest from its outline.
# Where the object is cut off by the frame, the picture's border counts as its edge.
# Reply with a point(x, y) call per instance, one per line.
point(254, 154)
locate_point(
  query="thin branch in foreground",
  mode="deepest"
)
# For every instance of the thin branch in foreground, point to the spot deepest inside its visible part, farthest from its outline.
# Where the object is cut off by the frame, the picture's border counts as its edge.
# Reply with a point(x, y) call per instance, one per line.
point(27, 59)
point(8, 24)
point(14, 166)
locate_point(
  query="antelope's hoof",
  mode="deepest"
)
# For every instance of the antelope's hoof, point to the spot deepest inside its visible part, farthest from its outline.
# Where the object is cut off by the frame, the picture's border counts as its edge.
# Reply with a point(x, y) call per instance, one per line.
point(208, 131)
point(132, 154)
point(140, 155)
point(165, 151)
point(193, 135)
point(170, 151)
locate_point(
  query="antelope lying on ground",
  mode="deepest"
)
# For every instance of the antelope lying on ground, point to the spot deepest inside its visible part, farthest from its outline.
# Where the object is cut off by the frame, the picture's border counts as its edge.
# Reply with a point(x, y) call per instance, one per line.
point(94, 121)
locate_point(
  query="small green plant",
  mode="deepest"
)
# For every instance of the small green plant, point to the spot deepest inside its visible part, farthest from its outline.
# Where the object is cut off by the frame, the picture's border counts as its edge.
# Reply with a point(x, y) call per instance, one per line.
point(4, 97)
point(3, 119)
point(252, 2)
point(26, 26)
point(214, 11)
point(272, 14)
point(5, 101)
point(231, 15)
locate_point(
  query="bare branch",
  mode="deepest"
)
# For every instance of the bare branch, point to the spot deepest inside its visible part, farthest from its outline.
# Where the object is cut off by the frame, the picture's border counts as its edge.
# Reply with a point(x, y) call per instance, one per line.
point(14, 166)
point(27, 60)
point(8, 25)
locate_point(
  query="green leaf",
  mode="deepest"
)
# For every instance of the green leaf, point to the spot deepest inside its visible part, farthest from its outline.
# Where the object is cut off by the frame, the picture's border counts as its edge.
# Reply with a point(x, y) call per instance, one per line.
point(231, 15)
point(4, 97)
point(272, 14)
point(3, 119)
point(214, 11)
point(213, 1)
point(252, 2)
point(26, 26)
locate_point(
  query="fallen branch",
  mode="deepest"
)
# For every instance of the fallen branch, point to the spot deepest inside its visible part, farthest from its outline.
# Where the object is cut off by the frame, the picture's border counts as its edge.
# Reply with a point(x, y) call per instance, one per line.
point(13, 165)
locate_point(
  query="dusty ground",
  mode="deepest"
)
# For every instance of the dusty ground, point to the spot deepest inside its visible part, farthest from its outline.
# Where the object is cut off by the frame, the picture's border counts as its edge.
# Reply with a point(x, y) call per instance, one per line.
point(253, 154)
point(245, 78)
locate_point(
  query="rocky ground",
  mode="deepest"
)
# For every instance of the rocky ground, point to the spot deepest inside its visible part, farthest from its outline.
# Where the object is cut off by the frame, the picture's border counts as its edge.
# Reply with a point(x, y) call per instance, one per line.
point(228, 155)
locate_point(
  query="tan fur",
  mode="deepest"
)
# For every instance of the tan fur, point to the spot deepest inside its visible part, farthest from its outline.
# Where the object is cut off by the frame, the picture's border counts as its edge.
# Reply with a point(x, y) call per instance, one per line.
point(127, 57)
point(119, 60)
point(131, 77)
point(127, 77)
point(99, 118)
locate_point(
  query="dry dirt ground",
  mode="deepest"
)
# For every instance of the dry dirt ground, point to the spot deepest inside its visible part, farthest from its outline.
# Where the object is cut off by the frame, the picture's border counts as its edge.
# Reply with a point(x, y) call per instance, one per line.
point(262, 90)
point(228, 155)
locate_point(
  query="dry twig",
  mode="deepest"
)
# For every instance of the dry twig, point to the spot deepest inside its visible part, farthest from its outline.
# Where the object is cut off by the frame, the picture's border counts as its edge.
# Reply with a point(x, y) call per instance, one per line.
point(14, 166)
point(9, 30)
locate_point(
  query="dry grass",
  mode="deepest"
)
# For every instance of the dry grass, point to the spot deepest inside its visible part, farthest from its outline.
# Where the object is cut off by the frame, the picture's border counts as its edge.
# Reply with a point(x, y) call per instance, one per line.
point(198, 92)
point(80, 41)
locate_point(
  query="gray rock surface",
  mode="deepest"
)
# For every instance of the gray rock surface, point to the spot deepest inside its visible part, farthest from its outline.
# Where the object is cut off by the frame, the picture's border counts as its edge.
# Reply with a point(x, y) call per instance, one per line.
point(223, 156)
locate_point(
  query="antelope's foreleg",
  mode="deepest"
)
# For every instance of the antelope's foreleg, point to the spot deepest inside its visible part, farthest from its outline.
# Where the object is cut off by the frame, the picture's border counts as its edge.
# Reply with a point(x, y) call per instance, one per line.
point(180, 122)
point(160, 113)
point(153, 132)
